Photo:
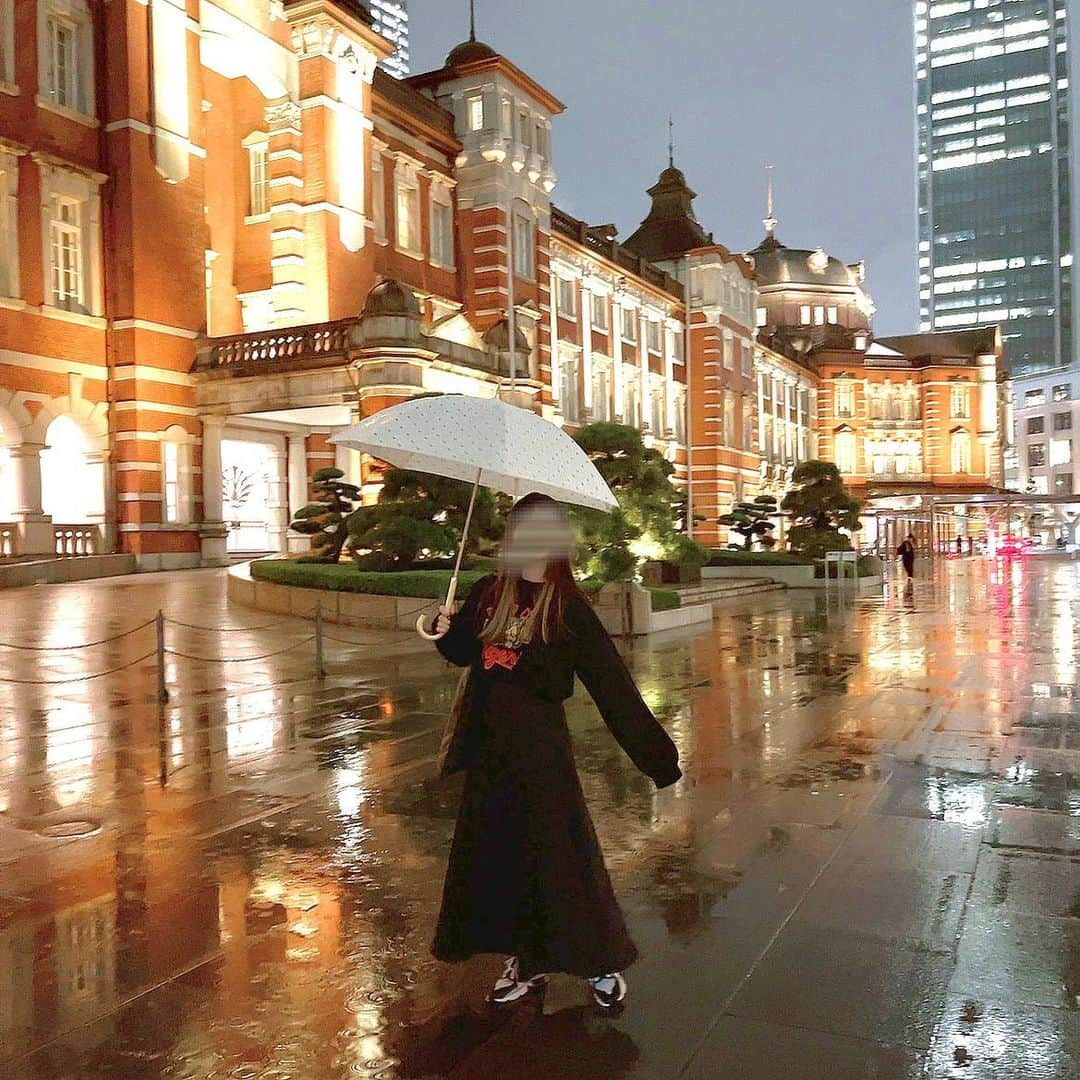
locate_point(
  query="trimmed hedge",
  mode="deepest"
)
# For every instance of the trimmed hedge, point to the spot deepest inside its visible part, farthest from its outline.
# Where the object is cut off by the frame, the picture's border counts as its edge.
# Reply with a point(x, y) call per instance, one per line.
point(341, 577)
point(719, 557)
point(423, 584)
point(664, 599)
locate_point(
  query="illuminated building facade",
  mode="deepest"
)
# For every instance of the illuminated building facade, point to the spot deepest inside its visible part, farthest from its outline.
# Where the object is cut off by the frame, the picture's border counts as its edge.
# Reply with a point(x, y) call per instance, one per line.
point(198, 286)
point(391, 19)
point(994, 180)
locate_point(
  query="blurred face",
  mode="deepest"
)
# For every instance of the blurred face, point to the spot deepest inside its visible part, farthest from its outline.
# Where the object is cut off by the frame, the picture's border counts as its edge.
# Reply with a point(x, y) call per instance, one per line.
point(537, 534)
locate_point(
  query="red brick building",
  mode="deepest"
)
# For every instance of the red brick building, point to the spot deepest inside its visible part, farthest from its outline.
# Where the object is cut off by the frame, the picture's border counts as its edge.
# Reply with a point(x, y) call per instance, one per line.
point(224, 234)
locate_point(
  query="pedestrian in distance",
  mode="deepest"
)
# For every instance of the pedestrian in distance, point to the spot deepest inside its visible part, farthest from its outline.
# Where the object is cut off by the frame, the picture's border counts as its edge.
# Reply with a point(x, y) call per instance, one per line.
point(526, 877)
point(906, 554)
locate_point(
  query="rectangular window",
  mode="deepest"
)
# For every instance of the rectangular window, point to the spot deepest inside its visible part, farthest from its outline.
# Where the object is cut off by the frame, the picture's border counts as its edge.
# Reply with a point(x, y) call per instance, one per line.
point(819, 316)
point(656, 412)
point(7, 42)
point(567, 298)
point(834, 316)
point(62, 43)
point(408, 211)
point(568, 389)
point(629, 324)
point(1063, 484)
point(506, 115)
point(762, 316)
point(747, 360)
point(804, 315)
point(630, 411)
point(475, 110)
point(1060, 451)
point(541, 139)
point(679, 419)
point(730, 434)
point(1063, 421)
point(845, 400)
point(728, 347)
point(171, 480)
point(524, 241)
point(601, 404)
point(653, 334)
point(258, 180)
point(1034, 397)
point(442, 226)
point(678, 347)
point(1037, 456)
point(66, 244)
point(378, 197)
point(600, 313)
point(1062, 392)
point(959, 402)
point(525, 129)
point(1036, 425)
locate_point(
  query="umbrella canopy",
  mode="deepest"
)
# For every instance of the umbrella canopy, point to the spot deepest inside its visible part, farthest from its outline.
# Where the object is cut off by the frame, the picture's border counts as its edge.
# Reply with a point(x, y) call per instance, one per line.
point(510, 448)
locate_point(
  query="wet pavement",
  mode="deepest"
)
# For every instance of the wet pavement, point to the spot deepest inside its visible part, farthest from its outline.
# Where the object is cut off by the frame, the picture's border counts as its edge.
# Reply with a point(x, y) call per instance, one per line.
point(872, 868)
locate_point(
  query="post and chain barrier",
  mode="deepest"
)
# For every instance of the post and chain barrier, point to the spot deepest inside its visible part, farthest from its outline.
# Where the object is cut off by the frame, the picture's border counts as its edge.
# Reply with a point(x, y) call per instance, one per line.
point(162, 649)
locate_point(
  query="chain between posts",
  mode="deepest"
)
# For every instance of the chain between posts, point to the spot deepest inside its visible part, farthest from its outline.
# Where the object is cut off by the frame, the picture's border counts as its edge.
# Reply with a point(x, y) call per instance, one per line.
point(162, 649)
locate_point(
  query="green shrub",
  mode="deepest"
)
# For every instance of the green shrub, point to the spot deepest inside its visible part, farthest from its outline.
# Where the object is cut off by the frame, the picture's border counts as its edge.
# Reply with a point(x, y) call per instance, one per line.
point(719, 557)
point(665, 599)
point(425, 584)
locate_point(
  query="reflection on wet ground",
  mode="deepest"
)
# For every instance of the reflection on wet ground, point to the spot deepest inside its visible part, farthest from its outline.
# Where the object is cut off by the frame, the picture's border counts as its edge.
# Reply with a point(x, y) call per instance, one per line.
point(871, 869)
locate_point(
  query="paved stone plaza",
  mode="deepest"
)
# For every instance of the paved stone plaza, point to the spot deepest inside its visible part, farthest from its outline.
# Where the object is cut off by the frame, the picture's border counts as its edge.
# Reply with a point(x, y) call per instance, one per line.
point(870, 870)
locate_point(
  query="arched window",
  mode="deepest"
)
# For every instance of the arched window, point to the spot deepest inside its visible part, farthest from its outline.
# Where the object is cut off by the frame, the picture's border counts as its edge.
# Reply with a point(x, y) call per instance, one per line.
point(67, 481)
point(961, 451)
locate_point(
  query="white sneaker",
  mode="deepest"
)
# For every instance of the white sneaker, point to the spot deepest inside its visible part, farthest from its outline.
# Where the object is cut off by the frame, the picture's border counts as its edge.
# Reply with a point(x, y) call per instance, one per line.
point(608, 990)
point(509, 987)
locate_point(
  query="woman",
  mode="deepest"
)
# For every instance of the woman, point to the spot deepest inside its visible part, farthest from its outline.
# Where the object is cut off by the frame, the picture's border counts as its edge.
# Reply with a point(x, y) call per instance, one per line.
point(526, 877)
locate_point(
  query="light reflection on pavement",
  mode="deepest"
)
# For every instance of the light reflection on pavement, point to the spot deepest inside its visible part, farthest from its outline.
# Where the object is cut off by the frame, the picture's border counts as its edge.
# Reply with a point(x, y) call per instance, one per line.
point(870, 869)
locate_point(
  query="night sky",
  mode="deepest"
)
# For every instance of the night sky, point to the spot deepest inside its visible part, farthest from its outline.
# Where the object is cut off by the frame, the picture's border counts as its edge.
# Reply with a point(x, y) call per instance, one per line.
point(822, 89)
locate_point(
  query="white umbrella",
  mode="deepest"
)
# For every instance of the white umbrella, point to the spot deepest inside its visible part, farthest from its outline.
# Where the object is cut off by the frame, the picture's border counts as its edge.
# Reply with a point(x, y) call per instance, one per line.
point(482, 441)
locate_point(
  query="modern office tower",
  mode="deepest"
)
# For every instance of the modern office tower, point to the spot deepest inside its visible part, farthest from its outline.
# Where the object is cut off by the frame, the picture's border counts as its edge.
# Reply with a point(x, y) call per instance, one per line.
point(391, 19)
point(995, 199)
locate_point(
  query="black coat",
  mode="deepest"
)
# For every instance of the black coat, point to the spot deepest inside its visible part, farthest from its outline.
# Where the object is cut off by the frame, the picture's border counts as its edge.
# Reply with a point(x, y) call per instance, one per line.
point(526, 876)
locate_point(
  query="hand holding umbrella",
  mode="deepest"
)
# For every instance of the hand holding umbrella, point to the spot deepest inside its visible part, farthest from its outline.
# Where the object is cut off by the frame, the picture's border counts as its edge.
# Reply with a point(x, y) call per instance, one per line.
point(483, 441)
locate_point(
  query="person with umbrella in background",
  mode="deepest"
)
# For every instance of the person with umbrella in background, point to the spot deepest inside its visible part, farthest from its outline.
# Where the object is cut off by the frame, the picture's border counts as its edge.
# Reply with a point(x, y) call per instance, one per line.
point(526, 877)
point(906, 554)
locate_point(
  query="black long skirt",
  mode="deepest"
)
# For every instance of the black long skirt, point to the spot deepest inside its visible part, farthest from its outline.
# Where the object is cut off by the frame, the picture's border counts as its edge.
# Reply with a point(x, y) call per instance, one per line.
point(526, 877)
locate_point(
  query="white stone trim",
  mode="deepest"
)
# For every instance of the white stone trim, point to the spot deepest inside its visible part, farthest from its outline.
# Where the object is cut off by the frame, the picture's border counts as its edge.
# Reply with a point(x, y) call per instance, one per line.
point(156, 327)
point(82, 189)
point(77, 15)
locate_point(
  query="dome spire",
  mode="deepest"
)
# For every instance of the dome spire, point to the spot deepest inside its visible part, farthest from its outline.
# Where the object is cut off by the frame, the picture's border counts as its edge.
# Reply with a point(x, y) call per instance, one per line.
point(770, 222)
point(472, 20)
point(670, 142)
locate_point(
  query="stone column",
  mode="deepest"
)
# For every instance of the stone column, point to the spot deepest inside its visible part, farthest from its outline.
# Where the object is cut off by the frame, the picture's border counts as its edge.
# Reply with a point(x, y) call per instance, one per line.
point(286, 185)
point(298, 487)
point(97, 462)
point(668, 330)
point(645, 393)
point(586, 351)
point(212, 530)
point(34, 526)
point(277, 499)
point(619, 413)
point(553, 351)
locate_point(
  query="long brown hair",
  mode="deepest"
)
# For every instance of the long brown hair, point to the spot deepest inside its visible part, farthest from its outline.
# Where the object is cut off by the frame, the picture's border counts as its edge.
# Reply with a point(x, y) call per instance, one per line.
point(556, 592)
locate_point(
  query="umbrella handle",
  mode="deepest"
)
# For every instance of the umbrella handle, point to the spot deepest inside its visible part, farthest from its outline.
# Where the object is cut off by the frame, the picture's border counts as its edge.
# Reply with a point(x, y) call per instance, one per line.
point(421, 629)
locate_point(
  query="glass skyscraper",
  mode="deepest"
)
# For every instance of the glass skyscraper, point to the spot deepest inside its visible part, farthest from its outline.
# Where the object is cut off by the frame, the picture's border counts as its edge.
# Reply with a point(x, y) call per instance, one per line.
point(391, 19)
point(995, 199)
